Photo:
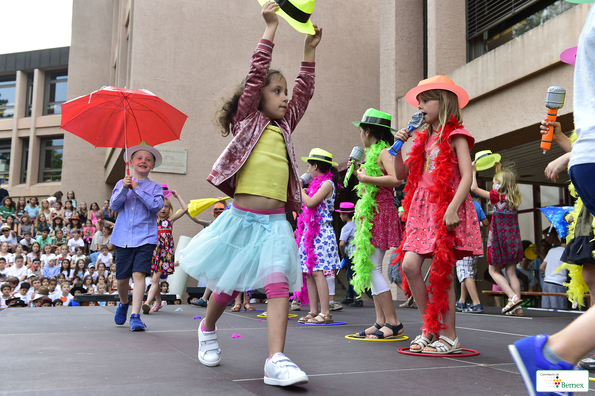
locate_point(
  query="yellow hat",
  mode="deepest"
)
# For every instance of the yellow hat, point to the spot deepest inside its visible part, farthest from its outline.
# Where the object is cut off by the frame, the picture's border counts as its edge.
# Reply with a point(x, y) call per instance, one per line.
point(529, 254)
point(297, 13)
point(318, 154)
point(485, 159)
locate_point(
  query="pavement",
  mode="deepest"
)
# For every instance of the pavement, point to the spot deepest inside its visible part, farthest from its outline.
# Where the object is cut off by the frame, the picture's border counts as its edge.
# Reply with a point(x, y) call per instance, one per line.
point(80, 351)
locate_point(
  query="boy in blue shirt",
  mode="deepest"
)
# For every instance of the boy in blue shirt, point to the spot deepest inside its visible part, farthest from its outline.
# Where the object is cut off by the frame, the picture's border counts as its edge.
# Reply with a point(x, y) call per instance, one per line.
point(137, 200)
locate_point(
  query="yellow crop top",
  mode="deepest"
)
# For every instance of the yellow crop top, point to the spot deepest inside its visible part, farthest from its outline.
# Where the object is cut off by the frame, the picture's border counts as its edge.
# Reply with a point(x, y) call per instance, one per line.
point(266, 171)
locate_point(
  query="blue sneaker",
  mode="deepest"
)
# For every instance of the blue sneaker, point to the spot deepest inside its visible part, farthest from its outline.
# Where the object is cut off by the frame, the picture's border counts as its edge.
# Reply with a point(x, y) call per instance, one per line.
point(136, 324)
point(528, 357)
point(121, 313)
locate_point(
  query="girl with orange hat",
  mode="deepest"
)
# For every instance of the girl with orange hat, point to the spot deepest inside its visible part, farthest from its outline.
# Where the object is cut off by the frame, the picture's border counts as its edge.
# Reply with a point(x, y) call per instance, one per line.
point(440, 217)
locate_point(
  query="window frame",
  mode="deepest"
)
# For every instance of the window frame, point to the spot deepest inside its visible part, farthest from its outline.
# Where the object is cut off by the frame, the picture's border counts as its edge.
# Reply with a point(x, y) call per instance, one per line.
point(9, 78)
point(51, 78)
point(42, 158)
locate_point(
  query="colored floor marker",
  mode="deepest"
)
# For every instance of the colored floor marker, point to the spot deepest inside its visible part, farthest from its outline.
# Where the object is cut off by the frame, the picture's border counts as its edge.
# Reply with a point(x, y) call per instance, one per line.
point(470, 352)
point(398, 338)
point(243, 310)
point(335, 323)
point(289, 316)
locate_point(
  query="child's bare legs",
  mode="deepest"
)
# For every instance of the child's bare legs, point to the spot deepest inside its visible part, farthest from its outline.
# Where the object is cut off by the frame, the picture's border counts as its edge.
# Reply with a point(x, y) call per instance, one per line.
point(464, 293)
point(137, 294)
point(469, 285)
point(576, 339)
point(214, 312)
point(448, 320)
point(312, 294)
point(277, 313)
point(412, 263)
point(322, 288)
point(154, 289)
point(496, 274)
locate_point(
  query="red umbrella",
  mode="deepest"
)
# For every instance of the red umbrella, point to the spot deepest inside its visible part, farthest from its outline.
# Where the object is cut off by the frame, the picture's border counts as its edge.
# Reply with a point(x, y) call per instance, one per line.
point(121, 118)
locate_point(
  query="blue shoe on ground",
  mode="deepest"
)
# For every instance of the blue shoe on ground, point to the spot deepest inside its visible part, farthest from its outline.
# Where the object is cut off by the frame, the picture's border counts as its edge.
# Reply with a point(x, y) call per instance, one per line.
point(474, 308)
point(136, 324)
point(121, 313)
point(528, 357)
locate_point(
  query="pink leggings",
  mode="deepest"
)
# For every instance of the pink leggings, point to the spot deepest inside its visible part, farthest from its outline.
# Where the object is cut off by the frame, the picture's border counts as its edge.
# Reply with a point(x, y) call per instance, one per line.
point(273, 290)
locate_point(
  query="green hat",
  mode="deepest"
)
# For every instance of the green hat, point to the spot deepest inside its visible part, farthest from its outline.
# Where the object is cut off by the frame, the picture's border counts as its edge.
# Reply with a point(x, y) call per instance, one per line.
point(297, 13)
point(485, 160)
point(375, 117)
point(318, 154)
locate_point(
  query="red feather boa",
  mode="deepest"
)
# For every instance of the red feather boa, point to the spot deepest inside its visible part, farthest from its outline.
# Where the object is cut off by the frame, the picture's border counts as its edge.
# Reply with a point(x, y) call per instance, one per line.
point(441, 194)
point(311, 218)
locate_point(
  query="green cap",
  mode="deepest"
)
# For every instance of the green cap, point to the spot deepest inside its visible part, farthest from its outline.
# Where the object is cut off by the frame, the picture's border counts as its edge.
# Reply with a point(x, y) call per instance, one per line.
point(375, 117)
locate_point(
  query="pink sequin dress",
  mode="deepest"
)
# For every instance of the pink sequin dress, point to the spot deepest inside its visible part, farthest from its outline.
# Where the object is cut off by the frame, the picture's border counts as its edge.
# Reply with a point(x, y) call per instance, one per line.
point(421, 225)
point(386, 230)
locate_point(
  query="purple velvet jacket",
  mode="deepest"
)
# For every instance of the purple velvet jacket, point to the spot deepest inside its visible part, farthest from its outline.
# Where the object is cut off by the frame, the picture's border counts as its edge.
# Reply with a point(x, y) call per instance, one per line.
point(249, 123)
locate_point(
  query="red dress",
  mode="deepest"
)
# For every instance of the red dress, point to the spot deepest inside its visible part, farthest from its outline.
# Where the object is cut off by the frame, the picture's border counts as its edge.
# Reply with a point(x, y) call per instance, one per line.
point(421, 225)
point(504, 239)
point(386, 230)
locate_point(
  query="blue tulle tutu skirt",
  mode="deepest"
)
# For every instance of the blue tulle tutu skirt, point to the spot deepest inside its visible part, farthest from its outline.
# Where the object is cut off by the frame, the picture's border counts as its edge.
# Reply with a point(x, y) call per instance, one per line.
point(244, 251)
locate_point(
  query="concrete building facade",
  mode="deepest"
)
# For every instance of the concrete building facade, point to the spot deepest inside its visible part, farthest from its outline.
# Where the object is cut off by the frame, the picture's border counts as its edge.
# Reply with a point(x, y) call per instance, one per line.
point(193, 53)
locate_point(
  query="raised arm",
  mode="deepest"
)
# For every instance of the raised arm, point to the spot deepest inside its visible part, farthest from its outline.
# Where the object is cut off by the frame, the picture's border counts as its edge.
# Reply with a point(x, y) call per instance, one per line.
point(303, 86)
point(182, 204)
point(401, 169)
point(259, 66)
point(474, 187)
point(324, 190)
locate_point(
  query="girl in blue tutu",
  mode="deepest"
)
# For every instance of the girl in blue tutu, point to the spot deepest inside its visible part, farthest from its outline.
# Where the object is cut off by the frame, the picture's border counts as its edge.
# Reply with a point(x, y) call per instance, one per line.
point(251, 246)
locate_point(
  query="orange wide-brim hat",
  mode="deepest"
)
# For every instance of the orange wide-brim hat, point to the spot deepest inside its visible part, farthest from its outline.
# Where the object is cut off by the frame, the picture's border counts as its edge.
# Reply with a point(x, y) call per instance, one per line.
point(437, 82)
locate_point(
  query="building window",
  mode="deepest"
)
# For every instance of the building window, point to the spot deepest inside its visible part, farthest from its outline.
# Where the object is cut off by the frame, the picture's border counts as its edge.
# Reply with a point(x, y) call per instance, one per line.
point(4, 160)
point(55, 91)
point(50, 159)
point(491, 23)
point(29, 106)
point(8, 86)
point(24, 160)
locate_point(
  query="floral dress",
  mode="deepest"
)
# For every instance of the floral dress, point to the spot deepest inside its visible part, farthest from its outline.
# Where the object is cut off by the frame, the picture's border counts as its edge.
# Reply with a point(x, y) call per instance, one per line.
point(325, 243)
point(163, 256)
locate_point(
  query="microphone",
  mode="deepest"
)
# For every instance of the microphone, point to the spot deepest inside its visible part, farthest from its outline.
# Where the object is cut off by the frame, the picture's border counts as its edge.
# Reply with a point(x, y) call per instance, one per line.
point(306, 179)
point(416, 120)
point(554, 100)
point(356, 156)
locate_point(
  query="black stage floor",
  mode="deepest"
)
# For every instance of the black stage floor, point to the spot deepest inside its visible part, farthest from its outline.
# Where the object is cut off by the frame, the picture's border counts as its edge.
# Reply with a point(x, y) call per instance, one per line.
point(80, 351)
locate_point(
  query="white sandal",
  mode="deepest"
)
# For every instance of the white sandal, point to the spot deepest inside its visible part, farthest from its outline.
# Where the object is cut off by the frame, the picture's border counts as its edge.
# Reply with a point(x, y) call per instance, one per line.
point(512, 304)
point(209, 352)
point(422, 341)
point(442, 349)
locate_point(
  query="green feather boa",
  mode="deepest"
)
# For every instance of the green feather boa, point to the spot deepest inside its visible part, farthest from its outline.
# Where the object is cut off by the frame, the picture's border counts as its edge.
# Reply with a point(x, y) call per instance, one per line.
point(365, 209)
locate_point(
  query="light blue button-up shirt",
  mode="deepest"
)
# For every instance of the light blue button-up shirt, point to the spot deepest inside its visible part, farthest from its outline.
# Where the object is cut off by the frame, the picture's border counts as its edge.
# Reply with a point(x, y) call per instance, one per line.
point(137, 209)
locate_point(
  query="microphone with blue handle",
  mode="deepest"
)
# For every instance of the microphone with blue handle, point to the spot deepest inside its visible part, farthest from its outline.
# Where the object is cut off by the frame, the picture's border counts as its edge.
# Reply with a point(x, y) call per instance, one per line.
point(415, 122)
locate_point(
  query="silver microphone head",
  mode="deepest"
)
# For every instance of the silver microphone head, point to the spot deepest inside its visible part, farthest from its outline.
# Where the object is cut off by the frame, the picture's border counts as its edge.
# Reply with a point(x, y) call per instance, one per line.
point(356, 154)
point(306, 178)
point(416, 120)
point(555, 97)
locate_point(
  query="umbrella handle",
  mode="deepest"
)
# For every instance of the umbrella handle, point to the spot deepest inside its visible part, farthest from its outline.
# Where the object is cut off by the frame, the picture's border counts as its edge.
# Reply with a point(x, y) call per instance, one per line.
point(127, 169)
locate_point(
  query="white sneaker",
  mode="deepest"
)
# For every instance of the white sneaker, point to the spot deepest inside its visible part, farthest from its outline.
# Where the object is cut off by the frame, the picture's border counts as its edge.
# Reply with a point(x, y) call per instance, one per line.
point(295, 305)
point(253, 301)
point(335, 306)
point(279, 370)
point(209, 352)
